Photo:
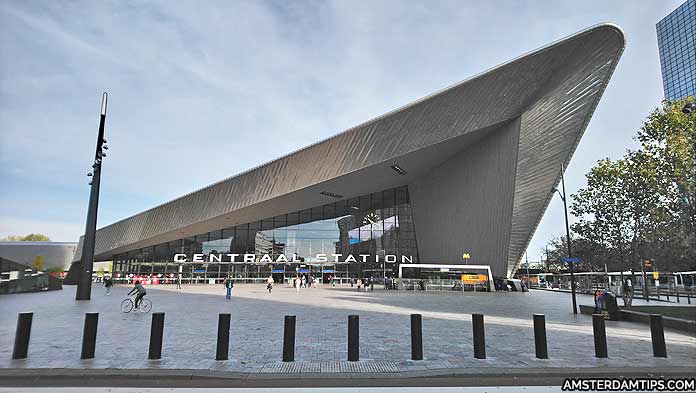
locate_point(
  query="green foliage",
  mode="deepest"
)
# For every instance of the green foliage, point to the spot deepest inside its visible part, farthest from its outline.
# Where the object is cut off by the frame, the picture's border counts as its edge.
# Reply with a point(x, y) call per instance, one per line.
point(12, 238)
point(36, 237)
point(38, 263)
point(642, 206)
point(32, 237)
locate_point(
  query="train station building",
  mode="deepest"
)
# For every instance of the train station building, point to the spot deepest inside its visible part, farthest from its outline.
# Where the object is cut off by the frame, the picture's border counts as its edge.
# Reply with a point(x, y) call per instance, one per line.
point(468, 170)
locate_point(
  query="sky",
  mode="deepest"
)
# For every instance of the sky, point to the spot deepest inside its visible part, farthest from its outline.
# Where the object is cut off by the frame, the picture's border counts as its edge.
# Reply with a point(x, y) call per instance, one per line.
point(200, 91)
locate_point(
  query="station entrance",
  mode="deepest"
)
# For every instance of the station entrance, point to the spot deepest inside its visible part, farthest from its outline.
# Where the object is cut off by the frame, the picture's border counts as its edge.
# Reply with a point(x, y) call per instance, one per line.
point(437, 277)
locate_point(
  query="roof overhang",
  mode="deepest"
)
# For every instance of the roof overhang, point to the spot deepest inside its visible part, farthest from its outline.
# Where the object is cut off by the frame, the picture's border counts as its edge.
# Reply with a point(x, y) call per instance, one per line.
point(553, 90)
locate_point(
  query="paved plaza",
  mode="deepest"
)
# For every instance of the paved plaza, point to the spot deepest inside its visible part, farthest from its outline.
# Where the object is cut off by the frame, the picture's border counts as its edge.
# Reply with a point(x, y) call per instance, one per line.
point(321, 343)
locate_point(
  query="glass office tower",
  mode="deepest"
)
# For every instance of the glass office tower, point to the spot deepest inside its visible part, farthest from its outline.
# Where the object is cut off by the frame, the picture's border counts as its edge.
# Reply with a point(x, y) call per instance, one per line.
point(676, 39)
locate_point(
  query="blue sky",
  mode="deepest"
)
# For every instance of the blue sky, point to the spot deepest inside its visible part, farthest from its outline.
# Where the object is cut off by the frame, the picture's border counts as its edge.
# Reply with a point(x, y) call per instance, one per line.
point(200, 91)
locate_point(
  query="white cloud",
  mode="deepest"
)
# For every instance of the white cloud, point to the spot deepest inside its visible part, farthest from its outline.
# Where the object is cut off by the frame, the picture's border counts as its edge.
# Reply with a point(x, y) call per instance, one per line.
point(199, 92)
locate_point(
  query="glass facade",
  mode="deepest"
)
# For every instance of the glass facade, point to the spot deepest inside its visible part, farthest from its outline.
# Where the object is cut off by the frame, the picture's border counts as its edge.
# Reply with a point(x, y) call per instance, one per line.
point(676, 38)
point(363, 237)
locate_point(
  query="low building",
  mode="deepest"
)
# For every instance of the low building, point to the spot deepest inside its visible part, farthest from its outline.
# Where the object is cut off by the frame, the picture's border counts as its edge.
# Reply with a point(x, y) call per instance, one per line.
point(40, 256)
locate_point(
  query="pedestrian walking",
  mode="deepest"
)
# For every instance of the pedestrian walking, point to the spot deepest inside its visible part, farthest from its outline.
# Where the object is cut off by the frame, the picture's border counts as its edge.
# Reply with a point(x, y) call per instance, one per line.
point(304, 281)
point(298, 284)
point(178, 281)
point(108, 284)
point(269, 283)
point(372, 284)
point(228, 286)
point(358, 284)
point(627, 292)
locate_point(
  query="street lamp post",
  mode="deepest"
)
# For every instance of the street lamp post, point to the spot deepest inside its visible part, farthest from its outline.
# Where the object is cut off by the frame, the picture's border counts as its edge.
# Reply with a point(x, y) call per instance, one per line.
point(84, 284)
point(570, 252)
point(526, 260)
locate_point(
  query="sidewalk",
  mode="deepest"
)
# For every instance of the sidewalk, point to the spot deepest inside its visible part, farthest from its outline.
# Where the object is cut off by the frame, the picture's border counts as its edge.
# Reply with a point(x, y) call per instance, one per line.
point(210, 379)
point(255, 350)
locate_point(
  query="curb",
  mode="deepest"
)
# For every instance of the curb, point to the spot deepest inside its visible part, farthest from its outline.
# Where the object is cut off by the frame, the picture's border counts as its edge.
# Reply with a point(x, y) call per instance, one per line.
point(210, 378)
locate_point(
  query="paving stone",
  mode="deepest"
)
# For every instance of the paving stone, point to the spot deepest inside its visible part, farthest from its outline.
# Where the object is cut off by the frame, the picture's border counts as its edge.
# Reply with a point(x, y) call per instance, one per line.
point(321, 333)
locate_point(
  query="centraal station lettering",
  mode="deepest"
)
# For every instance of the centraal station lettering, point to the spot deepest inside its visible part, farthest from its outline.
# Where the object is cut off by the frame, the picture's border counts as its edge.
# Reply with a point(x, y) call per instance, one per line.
point(293, 258)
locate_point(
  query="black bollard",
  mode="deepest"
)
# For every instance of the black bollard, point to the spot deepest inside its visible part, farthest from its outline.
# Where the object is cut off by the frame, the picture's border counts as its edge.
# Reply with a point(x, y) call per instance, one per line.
point(657, 331)
point(89, 335)
point(600, 336)
point(353, 338)
point(540, 336)
point(289, 339)
point(223, 337)
point(21, 344)
point(479, 336)
point(156, 333)
point(688, 296)
point(677, 288)
point(416, 337)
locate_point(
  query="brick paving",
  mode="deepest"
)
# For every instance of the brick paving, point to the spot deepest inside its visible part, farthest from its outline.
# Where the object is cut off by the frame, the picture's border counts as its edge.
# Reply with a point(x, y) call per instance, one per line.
point(321, 341)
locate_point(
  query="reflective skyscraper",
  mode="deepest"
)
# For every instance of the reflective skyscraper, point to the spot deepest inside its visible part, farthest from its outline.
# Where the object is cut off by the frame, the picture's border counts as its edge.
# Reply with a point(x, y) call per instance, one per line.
point(676, 38)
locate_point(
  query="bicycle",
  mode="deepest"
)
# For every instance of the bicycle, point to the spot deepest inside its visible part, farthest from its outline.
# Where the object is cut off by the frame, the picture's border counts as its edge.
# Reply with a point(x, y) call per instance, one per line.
point(127, 305)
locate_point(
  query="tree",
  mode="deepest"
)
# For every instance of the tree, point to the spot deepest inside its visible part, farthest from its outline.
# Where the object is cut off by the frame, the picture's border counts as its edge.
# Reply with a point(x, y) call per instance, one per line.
point(38, 263)
point(36, 237)
point(32, 237)
point(12, 238)
point(668, 138)
point(590, 254)
point(604, 212)
point(642, 206)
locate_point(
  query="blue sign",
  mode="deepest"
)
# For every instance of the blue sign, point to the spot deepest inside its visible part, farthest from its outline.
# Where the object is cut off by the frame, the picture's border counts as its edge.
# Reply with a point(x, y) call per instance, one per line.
point(277, 271)
point(571, 260)
point(303, 270)
point(199, 271)
point(328, 271)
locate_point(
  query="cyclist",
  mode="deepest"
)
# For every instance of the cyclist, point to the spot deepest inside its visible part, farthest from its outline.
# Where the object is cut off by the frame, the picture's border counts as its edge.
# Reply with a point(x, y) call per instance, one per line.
point(140, 290)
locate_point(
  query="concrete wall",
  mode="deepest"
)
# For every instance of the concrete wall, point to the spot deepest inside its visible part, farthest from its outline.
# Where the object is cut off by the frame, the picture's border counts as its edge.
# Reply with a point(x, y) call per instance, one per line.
point(465, 204)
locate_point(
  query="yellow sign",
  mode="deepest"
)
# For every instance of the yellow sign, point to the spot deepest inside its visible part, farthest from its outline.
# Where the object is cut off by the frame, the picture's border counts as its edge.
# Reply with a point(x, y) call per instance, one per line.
point(466, 256)
point(474, 278)
point(656, 275)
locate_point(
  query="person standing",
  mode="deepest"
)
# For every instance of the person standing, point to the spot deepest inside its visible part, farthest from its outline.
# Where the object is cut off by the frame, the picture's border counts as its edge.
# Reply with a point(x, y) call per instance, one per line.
point(178, 281)
point(304, 281)
point(298, 284)
point(228, 286)
point(372, 284)
point(269, 283)
point(108, 284)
